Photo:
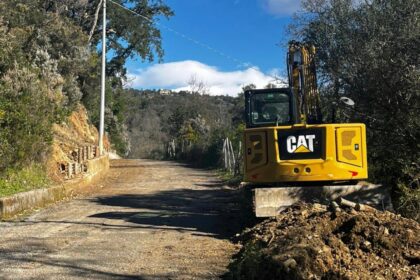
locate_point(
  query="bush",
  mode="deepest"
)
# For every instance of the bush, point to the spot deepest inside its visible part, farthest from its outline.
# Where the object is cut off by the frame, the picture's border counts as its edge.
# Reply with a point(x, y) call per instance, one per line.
point(407, 193)
point(28, 109)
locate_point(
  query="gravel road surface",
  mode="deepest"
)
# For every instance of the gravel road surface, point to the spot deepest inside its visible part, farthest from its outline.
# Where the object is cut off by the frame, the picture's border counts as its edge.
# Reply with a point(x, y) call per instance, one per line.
point(149, 220)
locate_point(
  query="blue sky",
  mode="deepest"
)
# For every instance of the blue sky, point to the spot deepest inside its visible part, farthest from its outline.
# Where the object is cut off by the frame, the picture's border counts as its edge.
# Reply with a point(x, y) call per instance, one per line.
point(250, 31)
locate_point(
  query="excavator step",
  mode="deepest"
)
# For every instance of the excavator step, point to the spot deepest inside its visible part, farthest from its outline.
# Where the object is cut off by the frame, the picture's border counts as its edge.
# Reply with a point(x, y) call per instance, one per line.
point(269, 201)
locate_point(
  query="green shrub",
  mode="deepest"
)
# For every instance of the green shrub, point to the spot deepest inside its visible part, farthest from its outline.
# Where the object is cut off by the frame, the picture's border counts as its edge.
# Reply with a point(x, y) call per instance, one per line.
point(28, 109)
point(407, 193)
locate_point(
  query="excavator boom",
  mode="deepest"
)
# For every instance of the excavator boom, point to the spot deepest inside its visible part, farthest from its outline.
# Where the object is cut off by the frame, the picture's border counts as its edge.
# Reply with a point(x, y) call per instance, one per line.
point(303, 81)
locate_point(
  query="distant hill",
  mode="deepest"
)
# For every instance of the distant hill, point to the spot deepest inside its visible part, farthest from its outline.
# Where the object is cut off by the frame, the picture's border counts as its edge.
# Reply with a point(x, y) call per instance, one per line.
point(190, 121)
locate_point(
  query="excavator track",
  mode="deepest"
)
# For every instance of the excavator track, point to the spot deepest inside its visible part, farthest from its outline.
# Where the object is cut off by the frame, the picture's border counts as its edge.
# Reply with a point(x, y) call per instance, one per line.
point(270, 201)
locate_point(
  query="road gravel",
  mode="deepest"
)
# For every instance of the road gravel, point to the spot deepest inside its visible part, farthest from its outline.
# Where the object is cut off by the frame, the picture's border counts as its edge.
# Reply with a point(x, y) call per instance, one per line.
point(149, 220)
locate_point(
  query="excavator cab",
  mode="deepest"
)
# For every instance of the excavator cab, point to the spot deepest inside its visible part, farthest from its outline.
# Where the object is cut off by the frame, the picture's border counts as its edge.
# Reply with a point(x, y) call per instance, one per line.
point(270, 107)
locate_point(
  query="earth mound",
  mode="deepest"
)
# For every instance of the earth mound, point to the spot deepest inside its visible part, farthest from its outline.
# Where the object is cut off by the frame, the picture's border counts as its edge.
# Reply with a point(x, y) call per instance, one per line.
point(310, 241)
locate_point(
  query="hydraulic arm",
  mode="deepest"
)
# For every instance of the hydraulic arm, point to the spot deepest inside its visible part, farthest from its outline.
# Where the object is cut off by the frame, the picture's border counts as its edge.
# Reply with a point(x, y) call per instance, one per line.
point(303, 81)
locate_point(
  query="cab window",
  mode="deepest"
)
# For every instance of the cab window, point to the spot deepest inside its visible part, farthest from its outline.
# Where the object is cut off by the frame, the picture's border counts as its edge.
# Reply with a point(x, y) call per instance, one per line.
point(270, 109)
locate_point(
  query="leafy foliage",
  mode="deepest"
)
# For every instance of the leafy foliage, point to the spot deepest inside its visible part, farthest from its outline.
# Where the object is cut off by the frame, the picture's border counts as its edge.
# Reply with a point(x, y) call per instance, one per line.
point(28, 113)
point(368, 51)
point(48, 66)
point(37, 80)
point(128, 35)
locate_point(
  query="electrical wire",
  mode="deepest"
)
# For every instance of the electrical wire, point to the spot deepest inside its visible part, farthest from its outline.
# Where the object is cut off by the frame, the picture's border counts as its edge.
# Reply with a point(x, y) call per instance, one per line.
point(203, 45)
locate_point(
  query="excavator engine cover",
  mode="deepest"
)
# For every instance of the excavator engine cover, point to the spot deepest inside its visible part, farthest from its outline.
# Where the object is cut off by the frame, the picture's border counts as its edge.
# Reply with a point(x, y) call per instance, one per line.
point(305, 153)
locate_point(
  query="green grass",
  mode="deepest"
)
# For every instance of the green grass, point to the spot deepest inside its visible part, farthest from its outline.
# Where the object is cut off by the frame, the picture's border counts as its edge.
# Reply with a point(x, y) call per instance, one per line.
point(14, 181)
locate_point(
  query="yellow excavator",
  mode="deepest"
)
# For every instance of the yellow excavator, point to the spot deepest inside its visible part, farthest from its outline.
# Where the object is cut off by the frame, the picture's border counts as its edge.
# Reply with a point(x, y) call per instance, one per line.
point(290, 154)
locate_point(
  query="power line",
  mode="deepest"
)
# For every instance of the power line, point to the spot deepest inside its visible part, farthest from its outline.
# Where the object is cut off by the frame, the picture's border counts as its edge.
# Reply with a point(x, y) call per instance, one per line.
point(197, 42)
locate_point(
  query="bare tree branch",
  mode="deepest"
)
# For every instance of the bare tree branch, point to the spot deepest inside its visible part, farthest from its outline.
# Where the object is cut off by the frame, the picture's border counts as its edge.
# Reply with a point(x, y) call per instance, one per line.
point(95, 21)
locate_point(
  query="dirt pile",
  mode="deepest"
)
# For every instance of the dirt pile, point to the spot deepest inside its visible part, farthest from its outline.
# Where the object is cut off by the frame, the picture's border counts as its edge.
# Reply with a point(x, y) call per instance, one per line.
point(308, 241)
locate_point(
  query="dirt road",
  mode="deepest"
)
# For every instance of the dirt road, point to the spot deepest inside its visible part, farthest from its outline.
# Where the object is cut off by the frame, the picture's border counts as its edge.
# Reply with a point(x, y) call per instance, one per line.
point(151, 220)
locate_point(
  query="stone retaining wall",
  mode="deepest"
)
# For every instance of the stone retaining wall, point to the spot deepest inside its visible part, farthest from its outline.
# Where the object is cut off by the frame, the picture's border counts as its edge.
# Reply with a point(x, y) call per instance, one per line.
point(18, 203)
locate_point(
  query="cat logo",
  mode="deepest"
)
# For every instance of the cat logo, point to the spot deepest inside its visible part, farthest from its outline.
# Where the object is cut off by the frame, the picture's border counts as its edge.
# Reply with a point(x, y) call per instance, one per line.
point(297, 144)
point(300, 144)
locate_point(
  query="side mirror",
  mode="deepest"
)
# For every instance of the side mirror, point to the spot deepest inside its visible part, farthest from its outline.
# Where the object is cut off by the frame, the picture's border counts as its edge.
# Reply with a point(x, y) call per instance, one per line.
point(336, 105)
point(347, 101)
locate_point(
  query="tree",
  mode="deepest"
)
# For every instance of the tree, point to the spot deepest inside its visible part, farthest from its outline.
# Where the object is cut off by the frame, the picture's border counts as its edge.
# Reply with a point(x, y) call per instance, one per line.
point(45, 41)
point(29, 110)
point(197, 86)
point(368, 51)
point(40, 59)
point(128, 34)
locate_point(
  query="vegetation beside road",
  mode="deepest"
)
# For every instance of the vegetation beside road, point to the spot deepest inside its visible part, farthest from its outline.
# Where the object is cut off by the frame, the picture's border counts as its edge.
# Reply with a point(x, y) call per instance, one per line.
point(50, 63)
point(23, 179)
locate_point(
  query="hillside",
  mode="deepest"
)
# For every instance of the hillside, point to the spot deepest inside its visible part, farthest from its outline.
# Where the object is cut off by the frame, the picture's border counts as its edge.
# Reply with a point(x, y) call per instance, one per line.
point(196, 123)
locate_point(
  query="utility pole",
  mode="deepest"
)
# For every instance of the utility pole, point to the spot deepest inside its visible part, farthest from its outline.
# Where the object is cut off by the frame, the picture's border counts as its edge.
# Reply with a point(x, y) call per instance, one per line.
point(102, 108)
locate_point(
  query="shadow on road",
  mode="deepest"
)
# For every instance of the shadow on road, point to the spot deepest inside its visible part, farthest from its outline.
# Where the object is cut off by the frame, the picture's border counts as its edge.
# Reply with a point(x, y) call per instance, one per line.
point(74, 268)
point(215, 212)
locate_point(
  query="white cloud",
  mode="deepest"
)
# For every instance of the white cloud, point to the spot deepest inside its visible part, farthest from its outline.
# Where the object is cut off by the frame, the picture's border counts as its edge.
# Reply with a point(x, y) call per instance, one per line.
point(176, 76)
point(281, 7)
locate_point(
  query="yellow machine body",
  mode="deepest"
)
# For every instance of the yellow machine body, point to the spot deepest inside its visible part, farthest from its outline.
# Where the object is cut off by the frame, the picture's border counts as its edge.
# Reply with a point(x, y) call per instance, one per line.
point(305, 153)
point(291, 154)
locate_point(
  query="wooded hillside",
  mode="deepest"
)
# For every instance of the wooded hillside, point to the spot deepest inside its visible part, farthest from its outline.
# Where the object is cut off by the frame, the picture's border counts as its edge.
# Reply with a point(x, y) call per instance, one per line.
point(192, 125)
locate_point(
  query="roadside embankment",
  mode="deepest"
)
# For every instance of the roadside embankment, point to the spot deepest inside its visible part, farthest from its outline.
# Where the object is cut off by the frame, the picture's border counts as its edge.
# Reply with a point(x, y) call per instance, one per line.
point(73, 163)
point(21, 202)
